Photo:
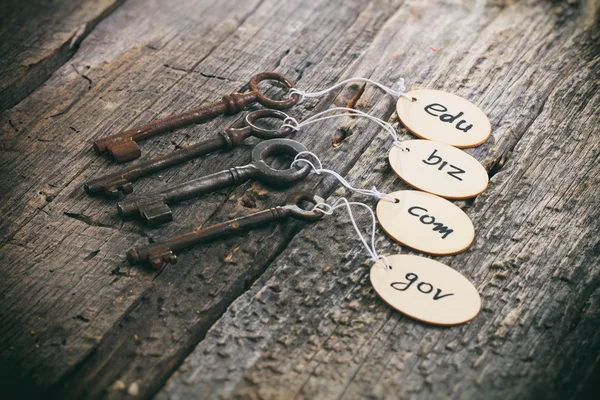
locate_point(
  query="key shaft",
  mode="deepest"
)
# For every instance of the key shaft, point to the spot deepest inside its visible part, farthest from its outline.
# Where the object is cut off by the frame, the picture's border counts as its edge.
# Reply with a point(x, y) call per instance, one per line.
point(154, 208)
point(120, 182)
point(159, 254)
point(123, 146)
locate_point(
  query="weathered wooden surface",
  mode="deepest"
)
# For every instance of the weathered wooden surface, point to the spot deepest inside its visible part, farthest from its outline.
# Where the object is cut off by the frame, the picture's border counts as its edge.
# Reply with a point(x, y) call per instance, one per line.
point(78, 322)
point(37, 37)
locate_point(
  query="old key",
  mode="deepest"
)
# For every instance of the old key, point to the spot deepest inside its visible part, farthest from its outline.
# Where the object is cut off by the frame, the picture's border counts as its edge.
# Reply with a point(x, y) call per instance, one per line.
point(154, 209)
point(123, 146)
point(120, 182)
point(158, 254)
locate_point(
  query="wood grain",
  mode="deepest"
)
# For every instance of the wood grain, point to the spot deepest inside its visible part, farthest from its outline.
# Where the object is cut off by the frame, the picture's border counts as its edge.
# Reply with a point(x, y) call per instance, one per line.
point(78, 322)
point(311, 327)
point(37, 37)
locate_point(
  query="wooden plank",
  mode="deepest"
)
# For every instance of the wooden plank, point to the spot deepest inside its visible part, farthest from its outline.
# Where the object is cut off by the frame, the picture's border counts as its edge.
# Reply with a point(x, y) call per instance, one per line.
point(119, 358)
point(126, 324)
point(312, 326)
point(37, 37)
point(73, 244)
point(47, 226)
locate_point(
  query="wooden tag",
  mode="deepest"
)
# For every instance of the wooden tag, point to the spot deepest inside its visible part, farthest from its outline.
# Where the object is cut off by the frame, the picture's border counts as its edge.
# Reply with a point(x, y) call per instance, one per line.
point(426, 222)
point(426, 290)
point(444, 117)
point(438, 168)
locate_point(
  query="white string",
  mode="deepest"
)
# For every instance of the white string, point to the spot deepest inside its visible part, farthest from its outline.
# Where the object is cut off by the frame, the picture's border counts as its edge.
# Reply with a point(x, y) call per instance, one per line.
point(396, 93)
point(367, 192)
point(292, 123)
point(329, 209)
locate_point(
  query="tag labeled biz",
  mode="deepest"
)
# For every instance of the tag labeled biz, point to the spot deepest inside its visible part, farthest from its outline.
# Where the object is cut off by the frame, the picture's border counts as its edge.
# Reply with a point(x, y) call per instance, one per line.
point(438, 168)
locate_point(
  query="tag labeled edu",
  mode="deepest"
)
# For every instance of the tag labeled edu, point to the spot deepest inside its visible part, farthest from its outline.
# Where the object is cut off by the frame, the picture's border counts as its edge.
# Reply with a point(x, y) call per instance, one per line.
point(444, 117)
point(426, 290)
point(438, 168)
point(426, 222)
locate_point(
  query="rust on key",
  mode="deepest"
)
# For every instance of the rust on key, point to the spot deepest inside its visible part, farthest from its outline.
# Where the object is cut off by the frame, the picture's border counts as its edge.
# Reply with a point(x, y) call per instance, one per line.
point(154, 208)
point(123, 146)
point(160, 254)
point(119, 183)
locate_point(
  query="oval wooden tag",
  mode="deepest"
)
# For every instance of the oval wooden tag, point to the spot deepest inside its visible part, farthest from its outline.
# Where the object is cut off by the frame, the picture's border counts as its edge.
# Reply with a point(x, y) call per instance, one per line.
point(444, 117)
point(426, 222)
point(438, 168)
point(426, 290)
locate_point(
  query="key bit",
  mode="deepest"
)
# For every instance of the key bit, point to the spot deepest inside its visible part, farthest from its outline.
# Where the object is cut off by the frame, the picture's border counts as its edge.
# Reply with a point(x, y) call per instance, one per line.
point(156, 213)
point(124, 147)
point(154, 208)
point(119, 183)
point(160, 254)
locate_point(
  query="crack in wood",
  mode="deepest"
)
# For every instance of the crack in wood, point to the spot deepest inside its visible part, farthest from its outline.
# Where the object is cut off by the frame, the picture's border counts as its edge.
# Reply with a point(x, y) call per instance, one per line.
point(34, 74)
point(84, 76)
point(300, 71)
point(218, 77)
point(87, 220)
point(81, 318)
point(187, 71)
point(13, 126)
point(280, 59)
point(173, 319)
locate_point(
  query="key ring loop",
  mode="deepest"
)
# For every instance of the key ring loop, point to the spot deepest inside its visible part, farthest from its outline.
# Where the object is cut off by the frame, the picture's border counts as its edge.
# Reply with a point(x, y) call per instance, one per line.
point(292, 203)
point(263, 133)
point(267, 102)
point(278, 177)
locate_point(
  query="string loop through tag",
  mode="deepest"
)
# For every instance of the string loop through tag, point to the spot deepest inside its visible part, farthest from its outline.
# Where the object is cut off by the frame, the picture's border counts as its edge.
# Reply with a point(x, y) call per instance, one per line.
point(343, 202)
point(401, 92)
point(290, 122)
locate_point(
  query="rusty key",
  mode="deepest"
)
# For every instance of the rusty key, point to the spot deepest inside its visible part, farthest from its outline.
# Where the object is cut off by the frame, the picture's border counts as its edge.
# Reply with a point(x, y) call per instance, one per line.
point(123, 146)
point(154, 208)
point(159, 254)
point(120, 182)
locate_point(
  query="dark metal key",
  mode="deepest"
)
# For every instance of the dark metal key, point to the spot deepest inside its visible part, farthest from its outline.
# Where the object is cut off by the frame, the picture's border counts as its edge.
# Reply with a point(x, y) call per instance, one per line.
point(159, 254)
point(123, 146)
point(120, 183)
point(154, 208)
